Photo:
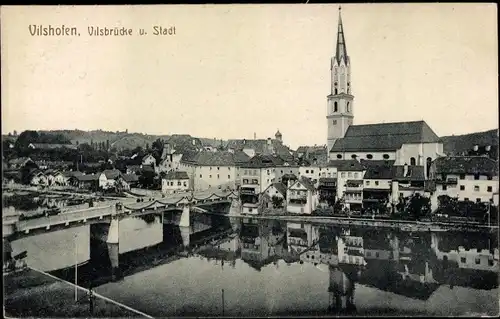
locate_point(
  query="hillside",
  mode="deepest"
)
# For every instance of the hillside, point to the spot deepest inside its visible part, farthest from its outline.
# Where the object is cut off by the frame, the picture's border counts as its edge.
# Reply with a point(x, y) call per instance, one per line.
point(457, 144)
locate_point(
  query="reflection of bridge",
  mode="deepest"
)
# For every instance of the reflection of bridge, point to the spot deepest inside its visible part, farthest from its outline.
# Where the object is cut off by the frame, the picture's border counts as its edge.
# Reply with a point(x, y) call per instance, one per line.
point(118, 210)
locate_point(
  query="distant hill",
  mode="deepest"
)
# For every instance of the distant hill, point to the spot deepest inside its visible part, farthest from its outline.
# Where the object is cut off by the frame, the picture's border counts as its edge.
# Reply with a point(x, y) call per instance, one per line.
point(125, 140)
point(458, 144)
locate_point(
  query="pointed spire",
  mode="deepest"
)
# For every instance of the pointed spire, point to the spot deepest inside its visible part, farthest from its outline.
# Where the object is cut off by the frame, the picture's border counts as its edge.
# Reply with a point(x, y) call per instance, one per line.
point(341, 50)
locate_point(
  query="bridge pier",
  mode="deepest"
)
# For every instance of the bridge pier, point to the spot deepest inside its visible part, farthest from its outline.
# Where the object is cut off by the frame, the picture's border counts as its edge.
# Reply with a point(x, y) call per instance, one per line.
point(113, 243)
point(185, 225)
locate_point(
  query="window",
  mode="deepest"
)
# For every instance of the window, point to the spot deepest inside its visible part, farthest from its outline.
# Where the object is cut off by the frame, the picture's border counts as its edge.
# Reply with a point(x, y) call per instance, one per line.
point(444, 187)
point(339, 156)
point(466, 199)
point(478, 261)
point(228, 176)
point(478, 200)
point(462, 176)
point(218, 168)
point(413, 162)
point(490, 177)
point(342, 174)
point(376, 183)
point(347, 107)
point(185, 184)
point(201, 176)
point(217, 176)
point(386, 156)
point(476, 176)
point(367, 183)
point(312, 171)
point(355, 175)
point(349, 174)
point(368, 254)
point(490, 262)
point(281, 171)
point(369, 156)
point(179, 183)
point(489, 189)
point(377, 254)
point(336, 92)
point(335, 104)
point(463, 260)
point(307, 171)
point(268, 172)
point(462, 187)
point(476, 188)
point(334, 122)
point(353, 156)
point(209, 176)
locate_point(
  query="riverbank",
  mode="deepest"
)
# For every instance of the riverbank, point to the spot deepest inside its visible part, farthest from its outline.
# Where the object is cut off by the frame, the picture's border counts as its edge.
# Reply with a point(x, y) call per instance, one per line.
point(35, 294)
point(402, 225)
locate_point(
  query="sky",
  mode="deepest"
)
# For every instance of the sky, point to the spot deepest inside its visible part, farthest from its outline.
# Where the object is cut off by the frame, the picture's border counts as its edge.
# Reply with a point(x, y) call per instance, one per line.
point(234, 70)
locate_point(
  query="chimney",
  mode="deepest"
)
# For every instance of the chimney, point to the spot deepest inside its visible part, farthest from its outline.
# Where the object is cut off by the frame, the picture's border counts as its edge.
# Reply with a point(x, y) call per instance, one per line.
point(405, 170)
point(476, 147)
point(194, 142)
point(244, 141)
point(268, 141)
point(254, 135)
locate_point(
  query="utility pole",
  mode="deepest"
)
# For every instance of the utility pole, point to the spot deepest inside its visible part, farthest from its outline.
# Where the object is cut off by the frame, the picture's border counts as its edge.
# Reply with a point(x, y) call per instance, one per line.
point(76, 268)
point(223, 302)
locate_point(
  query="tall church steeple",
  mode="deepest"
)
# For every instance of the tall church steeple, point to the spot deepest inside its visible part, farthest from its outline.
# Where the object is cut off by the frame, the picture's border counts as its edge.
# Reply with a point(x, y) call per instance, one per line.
point(340, 101)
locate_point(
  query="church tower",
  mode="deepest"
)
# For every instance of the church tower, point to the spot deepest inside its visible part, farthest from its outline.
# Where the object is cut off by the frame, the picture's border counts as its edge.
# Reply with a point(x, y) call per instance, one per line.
point(340, 101)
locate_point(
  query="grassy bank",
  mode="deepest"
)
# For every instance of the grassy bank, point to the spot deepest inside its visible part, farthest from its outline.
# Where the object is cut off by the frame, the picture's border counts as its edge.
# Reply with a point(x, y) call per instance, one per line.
point(34, 294)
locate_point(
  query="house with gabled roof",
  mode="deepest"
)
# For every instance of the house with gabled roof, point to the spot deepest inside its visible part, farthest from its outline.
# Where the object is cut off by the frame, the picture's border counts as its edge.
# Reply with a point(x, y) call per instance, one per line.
point(175, 181)
point(413, 143)
point(302, 197)
point(108, 178)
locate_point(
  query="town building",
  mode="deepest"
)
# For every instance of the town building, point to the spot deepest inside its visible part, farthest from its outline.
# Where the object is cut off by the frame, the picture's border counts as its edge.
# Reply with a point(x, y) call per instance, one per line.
point(276, 190)
point(377, 186)
point(55, 177)
point(149, 160)
point(18, 163)
point(473, 178)
point(302, 197)
point(260, 171)
point(170, 158)
point(407, 181)
point(349, 182)
point(301, 237)
point(108, 178)
point(175, 181)
point(213, 169)
point(327, 190)
point(38, 178)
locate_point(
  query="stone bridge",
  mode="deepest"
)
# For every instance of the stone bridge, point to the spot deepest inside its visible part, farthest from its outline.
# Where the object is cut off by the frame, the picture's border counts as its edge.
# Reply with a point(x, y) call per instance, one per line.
point(105, 214)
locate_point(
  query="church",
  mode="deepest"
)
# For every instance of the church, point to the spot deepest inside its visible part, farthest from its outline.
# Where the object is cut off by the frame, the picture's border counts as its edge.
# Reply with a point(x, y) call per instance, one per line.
point(412, 143)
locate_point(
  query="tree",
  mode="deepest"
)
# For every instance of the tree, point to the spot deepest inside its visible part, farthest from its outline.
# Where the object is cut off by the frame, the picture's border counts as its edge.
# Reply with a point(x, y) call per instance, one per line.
point(25, 138)
point(277, 201)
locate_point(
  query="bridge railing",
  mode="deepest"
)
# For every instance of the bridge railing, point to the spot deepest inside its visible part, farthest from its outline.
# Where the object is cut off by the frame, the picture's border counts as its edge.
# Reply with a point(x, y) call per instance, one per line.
point(65, 217)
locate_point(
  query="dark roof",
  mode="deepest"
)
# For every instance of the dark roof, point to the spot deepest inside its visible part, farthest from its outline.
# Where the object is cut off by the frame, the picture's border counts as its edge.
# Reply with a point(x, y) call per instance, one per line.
point(279, 187)
point(415, 173)
point(456, 144)
point(297, 232)
point(18, 161)
point(261, 161)
point(328, 180)
point(380, 171)
point(176, 175)
point(384, 136)
point(466, 165)
point(130, 177)
point(346, 165)
point(87, 178)
point(134, 168)
point(72, 173)
point(260, 146)
point(111, 173)
point(307, 183)
point(219, 158)
point(371, 163)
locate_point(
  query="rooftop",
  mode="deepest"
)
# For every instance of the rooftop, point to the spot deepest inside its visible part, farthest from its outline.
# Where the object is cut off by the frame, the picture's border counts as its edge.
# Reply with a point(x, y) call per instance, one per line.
point(466, 165)
point(384, 136)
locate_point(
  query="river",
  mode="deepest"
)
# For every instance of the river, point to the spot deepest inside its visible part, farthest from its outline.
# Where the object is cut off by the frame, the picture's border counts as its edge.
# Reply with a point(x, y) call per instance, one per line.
point(250, 267)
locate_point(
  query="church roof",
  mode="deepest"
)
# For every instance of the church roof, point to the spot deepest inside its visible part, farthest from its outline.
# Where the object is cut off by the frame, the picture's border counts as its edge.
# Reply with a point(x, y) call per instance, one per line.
point(384, 136)
point(341, 48)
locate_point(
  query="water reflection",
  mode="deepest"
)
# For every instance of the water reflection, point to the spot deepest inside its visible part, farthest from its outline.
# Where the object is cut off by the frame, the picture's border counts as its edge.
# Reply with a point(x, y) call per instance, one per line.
point(271, 267)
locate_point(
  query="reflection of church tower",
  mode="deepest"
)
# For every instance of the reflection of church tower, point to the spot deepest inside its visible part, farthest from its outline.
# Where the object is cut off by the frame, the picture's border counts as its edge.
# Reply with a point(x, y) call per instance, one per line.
point(341, 291)
point(340, 101)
